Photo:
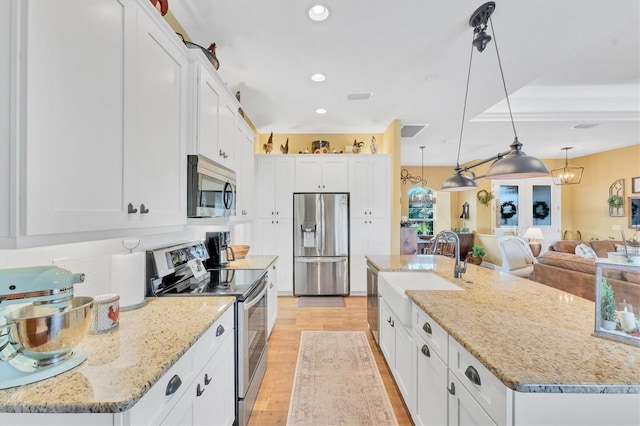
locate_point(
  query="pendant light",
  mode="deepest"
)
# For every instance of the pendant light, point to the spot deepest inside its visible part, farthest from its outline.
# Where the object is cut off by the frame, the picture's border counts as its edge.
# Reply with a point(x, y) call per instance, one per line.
point(515, 164)
point(460, 182)
point(406, 176)
point(568, 174)
point(511, 164)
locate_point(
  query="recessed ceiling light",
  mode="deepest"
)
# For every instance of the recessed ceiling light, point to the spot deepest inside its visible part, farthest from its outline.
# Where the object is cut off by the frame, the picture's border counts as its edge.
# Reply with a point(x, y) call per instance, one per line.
point(321, 111)
point(318, 77)
point(318, 13)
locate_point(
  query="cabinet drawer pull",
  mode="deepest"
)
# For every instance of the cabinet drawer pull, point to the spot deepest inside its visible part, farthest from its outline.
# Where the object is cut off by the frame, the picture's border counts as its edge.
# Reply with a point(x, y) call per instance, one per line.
point(199, 391)
point(207, 379)
point(425, 351)
point(472, 374)
point(143, 209)
point(219, 330)
point(452, 389)
point(131, 210)
point(393, 323)
point(173, 385)
point(427, 328)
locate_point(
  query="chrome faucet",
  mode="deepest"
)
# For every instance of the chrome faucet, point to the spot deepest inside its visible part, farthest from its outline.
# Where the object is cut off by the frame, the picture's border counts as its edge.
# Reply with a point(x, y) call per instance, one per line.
point(458, 270)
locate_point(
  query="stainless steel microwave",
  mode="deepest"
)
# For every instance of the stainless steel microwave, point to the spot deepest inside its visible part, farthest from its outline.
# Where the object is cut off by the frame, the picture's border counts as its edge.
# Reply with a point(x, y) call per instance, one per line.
point(211, 189)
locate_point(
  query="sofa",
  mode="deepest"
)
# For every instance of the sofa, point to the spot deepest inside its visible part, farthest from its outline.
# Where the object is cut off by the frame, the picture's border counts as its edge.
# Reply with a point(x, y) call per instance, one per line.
point(562, 268)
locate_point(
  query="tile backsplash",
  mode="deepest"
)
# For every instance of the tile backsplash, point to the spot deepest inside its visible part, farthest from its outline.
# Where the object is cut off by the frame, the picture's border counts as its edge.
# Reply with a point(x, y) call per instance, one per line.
point(93, 258)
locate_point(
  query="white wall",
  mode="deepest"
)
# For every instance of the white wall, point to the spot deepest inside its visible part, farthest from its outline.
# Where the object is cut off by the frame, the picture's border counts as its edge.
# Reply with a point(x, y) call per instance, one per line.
point(93, 258)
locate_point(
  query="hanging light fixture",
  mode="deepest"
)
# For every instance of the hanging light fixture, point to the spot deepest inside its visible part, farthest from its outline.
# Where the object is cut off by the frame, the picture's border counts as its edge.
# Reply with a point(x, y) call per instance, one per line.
point(511, 164)
point(460, 182)
point(568, 174)
point(406, 176)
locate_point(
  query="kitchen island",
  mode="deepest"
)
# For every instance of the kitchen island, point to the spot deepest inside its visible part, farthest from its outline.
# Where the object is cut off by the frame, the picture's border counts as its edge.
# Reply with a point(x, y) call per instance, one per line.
point(533, 338)
point(123, 364)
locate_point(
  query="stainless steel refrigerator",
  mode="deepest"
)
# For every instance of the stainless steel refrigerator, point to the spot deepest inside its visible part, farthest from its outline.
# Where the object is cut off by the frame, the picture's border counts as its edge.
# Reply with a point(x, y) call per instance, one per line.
point(321, 244)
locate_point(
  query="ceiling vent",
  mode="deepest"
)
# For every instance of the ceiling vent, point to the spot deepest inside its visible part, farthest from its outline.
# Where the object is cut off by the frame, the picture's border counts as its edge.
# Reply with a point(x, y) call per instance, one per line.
point(585, 126)
point(412, 130)
point(359, 96)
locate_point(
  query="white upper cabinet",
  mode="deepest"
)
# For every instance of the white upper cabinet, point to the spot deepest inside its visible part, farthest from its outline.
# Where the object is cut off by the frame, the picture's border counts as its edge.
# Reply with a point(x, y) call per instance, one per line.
point(370, 185)
point(274, 185)
point(75, 113)
point(99, 122)
point(322, 173)
point(245, 171)
point(215, 113)
point(158, 158)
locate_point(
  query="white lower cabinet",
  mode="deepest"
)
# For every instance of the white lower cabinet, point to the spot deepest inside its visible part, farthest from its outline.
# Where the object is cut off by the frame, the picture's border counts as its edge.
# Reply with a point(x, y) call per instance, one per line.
point(272, 298)
point(199, 389)
point(463, 409)
point(395, 342)
point(429, 382)
point(209, 400)
point(206, 393)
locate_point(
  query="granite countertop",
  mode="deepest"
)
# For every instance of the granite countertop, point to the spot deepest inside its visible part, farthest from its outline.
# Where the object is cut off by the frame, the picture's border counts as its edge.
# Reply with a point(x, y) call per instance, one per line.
point(124, 363)
point(252, 262)
point(532, 337)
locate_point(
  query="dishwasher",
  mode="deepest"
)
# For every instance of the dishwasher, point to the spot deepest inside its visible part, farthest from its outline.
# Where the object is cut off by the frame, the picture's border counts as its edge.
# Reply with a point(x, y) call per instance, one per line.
point(373, 308)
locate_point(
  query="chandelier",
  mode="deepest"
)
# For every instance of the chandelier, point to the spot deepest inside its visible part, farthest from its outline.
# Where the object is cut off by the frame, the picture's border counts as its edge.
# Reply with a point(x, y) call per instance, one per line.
point(406, 176)
point(568, 174)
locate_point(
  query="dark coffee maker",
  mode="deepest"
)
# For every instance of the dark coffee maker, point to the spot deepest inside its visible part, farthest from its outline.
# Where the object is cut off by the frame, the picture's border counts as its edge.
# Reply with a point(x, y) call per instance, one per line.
point(219, 251)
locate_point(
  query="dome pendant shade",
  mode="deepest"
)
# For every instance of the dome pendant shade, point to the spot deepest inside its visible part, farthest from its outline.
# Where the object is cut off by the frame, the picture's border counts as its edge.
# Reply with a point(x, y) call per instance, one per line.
point(568, 174)
point(516, 165)
point(458, 182)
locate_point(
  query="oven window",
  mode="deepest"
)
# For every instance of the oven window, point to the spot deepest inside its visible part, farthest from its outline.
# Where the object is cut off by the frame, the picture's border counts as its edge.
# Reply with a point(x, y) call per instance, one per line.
point(257, 325)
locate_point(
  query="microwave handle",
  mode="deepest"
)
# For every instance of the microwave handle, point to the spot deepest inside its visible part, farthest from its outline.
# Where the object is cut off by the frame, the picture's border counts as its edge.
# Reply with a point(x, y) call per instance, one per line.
point(227, 195)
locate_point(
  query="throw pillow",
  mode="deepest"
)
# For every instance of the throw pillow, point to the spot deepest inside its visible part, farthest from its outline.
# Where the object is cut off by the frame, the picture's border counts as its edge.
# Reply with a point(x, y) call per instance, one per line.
point(585, 251)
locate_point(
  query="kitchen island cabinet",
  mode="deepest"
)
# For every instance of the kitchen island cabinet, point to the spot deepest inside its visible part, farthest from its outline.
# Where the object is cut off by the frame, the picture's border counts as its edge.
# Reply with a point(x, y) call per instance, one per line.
point(530, 343)
point(125, 377)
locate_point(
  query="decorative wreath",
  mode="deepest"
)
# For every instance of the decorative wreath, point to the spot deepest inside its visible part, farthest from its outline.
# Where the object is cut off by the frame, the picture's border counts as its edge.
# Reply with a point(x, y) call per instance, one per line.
point(508, 209)
point(540, 210)
point(484, 197)
point(615, 201)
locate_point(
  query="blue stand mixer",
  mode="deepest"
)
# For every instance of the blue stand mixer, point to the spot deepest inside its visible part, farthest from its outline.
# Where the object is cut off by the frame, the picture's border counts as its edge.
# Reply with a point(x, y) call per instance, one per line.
point(41, 322)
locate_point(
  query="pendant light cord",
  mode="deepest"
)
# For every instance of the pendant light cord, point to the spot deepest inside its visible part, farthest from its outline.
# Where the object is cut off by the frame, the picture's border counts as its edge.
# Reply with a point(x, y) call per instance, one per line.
point(506, 94)
point(464, 108)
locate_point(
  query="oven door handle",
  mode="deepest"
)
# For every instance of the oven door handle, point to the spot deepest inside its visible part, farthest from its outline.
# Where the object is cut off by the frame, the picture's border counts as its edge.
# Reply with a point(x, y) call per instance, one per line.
point(248, 304)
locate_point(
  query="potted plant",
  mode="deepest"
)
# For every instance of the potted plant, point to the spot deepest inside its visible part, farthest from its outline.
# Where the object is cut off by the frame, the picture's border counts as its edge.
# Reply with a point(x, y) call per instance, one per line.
point(476, 254)
point(607, 306)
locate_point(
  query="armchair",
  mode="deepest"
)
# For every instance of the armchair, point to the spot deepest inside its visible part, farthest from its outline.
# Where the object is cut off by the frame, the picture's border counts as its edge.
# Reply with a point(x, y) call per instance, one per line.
point(517, 258)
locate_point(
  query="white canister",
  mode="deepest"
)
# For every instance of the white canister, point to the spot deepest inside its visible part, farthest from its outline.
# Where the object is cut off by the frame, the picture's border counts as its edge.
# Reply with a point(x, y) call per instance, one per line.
point(106, 313)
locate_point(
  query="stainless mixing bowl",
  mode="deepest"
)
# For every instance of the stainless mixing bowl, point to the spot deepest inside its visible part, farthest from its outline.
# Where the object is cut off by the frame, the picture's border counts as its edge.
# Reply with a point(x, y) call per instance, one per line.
point(46, 332)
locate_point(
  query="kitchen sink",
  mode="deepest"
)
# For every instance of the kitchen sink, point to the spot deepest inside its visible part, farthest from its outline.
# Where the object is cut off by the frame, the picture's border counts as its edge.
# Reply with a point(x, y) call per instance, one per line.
point(392, 286)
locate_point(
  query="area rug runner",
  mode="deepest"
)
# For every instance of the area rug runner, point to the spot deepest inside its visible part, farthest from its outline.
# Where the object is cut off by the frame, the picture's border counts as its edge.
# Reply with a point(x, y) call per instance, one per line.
point(337, 382)
point(320, 302)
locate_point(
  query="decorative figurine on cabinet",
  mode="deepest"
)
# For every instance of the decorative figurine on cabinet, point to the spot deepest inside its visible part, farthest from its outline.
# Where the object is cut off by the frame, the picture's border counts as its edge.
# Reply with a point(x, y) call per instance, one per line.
point(268, 147)
point(285, 149)
point(373, 146)
point(357, 146)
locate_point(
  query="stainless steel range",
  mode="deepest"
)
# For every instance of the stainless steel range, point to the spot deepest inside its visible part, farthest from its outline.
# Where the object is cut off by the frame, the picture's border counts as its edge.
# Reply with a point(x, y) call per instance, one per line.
point(174, 271)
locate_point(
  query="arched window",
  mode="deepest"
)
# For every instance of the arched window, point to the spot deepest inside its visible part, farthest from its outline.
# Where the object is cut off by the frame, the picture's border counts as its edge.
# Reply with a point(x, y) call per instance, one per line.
point(422, 202)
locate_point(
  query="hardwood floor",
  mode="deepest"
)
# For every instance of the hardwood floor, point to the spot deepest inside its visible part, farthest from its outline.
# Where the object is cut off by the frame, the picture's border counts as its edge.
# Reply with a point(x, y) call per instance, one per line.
point(272, 404)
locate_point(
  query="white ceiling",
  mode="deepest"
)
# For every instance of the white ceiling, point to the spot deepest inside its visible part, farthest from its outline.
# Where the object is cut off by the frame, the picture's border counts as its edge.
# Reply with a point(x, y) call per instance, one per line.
point(565, 62)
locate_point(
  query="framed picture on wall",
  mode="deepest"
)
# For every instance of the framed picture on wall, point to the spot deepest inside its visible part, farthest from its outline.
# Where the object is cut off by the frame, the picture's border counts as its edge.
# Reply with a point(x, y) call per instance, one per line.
point(635, 185)
point(634, 212)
